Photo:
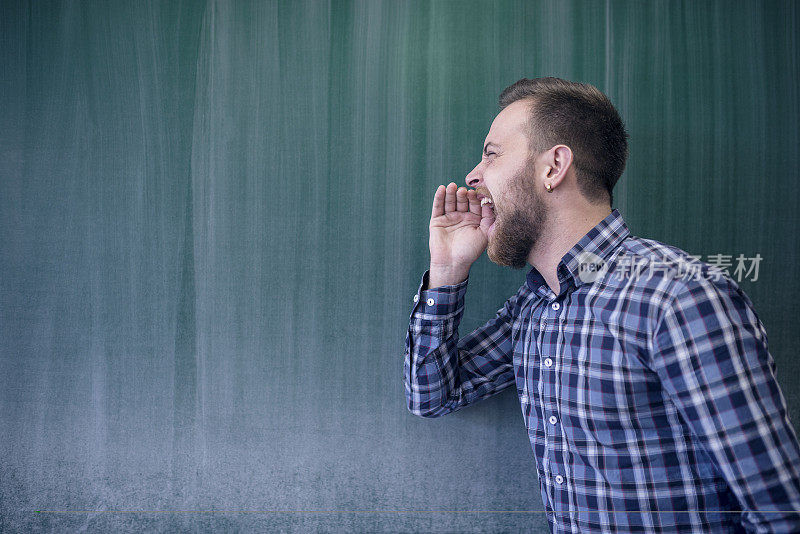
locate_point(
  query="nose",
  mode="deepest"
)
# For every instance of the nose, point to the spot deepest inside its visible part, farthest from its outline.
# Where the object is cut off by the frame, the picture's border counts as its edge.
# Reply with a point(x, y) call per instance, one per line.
point(474, 177)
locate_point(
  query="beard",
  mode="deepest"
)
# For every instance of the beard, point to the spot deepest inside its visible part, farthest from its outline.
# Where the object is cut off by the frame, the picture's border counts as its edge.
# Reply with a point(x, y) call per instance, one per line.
point(518, 229)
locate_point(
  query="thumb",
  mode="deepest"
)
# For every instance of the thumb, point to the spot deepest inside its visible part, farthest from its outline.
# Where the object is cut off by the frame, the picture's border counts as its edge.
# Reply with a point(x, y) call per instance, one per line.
point(487, 218)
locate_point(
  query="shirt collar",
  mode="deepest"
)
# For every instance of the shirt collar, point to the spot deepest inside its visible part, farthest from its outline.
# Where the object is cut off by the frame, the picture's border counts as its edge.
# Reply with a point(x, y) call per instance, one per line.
point(600, 241)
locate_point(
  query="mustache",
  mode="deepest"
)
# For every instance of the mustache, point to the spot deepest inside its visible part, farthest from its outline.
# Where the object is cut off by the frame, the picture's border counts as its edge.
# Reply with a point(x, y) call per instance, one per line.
point(483, 191)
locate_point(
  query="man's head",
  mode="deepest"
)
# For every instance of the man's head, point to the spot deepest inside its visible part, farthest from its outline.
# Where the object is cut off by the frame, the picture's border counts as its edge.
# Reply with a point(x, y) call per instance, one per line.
point(579, 116)
point(554, 135)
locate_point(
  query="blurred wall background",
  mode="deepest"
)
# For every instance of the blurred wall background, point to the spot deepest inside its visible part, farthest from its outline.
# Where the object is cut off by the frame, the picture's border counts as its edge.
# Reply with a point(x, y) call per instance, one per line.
point(213, 217)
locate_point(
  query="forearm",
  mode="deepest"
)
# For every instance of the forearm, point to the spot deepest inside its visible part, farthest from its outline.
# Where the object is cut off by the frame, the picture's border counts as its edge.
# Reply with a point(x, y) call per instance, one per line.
point(431, 351)
point(443, 372)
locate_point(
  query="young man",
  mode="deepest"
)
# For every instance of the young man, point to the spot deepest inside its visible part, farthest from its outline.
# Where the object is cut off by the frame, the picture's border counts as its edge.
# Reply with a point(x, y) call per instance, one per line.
point(644, 377)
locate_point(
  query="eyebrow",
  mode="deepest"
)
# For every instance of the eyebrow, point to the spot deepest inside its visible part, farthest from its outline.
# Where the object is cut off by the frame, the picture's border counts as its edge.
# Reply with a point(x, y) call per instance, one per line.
point(485, 148)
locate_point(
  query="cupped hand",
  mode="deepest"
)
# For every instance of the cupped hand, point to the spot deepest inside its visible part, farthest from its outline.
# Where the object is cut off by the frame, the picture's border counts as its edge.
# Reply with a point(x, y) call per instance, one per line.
point(458, 231)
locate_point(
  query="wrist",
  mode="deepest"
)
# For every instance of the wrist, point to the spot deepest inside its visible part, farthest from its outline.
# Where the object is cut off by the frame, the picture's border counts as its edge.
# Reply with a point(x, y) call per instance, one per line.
point(447, 275)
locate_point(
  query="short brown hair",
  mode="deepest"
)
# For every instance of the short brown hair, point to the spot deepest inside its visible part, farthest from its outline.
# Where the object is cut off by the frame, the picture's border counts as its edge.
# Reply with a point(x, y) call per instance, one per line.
point(580, 116)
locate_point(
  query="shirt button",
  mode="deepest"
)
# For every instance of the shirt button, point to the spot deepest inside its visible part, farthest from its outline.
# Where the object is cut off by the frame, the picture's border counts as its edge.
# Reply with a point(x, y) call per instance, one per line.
point(416, 298)
point(553, 420)
point(555, 306)
point(548, 362)
point(430, 302)
point(559, 479)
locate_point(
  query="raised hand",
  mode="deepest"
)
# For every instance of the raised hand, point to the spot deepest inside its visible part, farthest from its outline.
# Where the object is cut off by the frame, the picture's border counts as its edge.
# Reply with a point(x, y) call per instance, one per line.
point(458, 234)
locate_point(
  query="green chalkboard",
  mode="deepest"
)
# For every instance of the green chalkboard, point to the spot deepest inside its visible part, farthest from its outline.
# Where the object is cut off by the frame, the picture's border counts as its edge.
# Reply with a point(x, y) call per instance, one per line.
point(213, 217)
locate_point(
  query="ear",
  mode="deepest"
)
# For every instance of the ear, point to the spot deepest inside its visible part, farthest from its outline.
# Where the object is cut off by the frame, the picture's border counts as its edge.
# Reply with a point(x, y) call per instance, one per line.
point(557, 162)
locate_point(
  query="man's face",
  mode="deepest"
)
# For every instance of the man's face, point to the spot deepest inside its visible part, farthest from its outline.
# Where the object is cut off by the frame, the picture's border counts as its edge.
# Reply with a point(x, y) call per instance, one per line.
point(506, 176)
point(519, 222)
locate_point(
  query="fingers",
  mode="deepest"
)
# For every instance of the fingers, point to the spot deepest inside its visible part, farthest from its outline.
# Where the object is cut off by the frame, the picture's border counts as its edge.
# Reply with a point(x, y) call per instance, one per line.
point(462, 204)
point(450, 198)
point(438, 202)
point(453, 198)
point(474, 203)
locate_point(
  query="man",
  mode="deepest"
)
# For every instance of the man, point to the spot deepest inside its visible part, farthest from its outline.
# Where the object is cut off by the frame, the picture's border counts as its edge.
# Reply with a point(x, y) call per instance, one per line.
point(643, 375)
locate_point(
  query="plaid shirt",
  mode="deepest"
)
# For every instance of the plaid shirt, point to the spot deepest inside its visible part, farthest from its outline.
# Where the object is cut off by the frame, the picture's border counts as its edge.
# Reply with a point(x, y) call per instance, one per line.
point(647, 389)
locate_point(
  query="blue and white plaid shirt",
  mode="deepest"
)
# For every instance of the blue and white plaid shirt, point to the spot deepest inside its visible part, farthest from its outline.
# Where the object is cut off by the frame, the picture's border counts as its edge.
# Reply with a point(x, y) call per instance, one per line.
point(646, 387)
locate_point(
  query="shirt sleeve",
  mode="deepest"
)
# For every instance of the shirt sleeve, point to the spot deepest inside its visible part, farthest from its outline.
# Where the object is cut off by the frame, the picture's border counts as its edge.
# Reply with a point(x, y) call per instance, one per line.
point(710, 351)
point(443, 373)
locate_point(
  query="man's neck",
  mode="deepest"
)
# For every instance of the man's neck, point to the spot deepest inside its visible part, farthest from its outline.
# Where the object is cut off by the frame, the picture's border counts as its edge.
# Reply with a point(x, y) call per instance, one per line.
point(561, 234)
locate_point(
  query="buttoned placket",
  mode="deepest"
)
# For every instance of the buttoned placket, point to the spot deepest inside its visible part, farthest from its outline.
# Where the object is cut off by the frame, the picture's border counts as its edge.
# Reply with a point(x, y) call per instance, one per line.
point(548, 362)
point(547, 378)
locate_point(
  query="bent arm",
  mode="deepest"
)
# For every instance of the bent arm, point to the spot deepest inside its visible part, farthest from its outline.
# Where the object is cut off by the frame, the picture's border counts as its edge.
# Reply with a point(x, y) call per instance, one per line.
point(443, 373)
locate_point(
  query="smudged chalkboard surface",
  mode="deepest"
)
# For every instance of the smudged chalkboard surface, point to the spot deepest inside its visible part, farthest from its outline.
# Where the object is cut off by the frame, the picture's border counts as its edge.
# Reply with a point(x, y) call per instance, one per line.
point(213, 217)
